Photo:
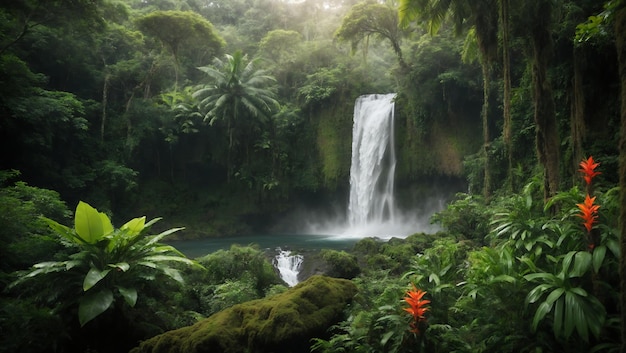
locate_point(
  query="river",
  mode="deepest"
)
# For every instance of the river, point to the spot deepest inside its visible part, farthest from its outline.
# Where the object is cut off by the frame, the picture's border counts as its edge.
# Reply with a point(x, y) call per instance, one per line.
point(200, 247)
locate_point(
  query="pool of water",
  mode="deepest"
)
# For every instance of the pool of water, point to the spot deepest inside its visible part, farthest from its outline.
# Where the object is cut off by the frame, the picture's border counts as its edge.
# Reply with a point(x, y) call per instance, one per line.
point(200, 247)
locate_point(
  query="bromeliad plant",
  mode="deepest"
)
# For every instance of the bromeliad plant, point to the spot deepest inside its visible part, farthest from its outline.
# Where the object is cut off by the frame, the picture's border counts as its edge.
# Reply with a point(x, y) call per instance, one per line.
point(109, 264)
point(588, 209)
point(571, 292)
point(417, 308)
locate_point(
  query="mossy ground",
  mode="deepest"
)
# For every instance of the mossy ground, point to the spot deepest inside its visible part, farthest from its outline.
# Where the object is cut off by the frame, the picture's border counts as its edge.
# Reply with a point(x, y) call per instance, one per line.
point(282, 323)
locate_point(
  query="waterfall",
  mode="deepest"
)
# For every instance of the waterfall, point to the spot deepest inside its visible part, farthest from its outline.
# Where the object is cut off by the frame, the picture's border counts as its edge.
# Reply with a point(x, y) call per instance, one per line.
point(372, 210)
point(373, 162)
point(288, 266)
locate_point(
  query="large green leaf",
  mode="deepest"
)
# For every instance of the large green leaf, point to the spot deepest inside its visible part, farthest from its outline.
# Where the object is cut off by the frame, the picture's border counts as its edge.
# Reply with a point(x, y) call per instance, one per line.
point(65, 232)
point(173, 274)
point(543, 309)
point(554, 295)
point(151, 222)
point(613, 245)
point(567, 260)
point(537, 292)
point(94, 304)
point(574, 317)
point(147, 264)
point(559, 315)
point(162, 235)
point(165, 258)
point(94, 276)
point(582, 263)
point(90, 224)
point(504, 278)
point(121, 266)
point(134, 226)
point(129, 294)
point(598, 257)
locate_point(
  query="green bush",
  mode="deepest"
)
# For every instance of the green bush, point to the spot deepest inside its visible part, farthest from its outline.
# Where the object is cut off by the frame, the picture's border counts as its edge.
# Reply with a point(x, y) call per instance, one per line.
point(24, 237)
point(232, 276)
point(340, 263)
point(238, 261)
point(466, 217)
point(19, 321)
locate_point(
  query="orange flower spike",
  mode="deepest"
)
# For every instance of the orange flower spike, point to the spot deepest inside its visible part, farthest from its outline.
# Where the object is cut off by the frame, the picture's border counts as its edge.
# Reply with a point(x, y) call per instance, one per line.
point(587, 167)
point(417, 307)
point(588, 212)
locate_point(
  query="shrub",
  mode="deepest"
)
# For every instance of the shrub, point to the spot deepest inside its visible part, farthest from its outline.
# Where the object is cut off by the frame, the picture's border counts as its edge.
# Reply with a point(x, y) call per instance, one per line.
point(340, 263)
point(466, 217)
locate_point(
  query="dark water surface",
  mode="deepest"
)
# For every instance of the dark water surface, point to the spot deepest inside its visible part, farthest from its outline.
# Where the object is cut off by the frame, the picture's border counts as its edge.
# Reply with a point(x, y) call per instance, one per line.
point(200, 247)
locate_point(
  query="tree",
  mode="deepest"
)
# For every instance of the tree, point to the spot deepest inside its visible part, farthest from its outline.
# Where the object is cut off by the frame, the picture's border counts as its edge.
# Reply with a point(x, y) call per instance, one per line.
point(372, 19)
point(21, 17)
point(281, 46)
point(282, 49)
point(547, 140)
point(505, 7)
point(179, 30)
point(237, 90)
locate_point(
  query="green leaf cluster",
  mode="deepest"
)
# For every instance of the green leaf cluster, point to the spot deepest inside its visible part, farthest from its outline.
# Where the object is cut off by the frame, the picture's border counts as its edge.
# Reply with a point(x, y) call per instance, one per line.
point(109, 264)
point(521, 279)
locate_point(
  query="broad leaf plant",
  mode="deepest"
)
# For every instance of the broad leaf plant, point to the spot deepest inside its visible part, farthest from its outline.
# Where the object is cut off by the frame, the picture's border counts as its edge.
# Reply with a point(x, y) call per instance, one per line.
point(109, 264)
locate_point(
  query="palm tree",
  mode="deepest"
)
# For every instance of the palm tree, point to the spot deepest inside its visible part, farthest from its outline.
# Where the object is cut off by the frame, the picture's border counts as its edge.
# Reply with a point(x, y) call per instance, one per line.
point(237, 90)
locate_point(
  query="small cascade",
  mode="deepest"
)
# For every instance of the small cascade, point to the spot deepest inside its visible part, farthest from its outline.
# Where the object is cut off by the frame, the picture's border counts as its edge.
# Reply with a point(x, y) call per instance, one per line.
point(373, 162)
point(288, 266)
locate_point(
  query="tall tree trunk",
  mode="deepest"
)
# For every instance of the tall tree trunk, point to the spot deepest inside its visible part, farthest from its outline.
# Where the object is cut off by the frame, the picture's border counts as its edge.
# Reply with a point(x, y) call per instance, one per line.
point(487, 181)
point(105, 93)
point(129, 124)
point(577, 121)
point(506, 78)
point(547, 137)
point(486, 24)
point(620, 43)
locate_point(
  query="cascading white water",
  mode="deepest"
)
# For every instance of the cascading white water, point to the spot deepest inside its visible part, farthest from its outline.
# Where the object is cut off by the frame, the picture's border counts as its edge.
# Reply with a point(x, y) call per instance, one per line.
point(373, 162)
point(372, 210)
point(288, 266)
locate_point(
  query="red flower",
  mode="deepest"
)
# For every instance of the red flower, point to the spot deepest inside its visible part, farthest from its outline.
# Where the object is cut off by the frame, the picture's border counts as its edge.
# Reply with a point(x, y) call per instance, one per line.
point(417, 307)
point(587, 167)
point(588, 212)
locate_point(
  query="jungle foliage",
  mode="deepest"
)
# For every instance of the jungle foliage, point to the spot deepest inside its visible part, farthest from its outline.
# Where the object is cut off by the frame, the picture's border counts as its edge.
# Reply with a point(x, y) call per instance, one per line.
point(222, 115)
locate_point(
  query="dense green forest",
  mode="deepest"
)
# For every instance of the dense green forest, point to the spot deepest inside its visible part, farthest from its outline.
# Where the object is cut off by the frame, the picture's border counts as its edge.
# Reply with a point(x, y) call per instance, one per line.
point(222, 116)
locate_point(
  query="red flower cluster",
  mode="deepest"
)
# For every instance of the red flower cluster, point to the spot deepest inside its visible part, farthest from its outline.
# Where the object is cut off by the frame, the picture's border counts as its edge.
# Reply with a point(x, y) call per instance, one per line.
point(588, 210)
point(417, 307)
point(587, 167)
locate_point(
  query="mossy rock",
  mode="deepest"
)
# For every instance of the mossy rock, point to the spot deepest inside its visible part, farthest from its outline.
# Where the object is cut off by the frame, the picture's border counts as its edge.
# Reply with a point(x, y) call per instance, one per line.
point(284, 323)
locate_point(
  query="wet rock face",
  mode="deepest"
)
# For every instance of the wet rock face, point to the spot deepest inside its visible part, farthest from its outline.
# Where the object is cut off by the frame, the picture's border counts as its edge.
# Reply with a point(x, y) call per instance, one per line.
point(284, 323)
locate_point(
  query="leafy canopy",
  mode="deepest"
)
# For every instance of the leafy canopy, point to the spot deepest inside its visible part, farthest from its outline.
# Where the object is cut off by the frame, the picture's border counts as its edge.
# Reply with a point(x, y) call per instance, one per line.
point(179, 28)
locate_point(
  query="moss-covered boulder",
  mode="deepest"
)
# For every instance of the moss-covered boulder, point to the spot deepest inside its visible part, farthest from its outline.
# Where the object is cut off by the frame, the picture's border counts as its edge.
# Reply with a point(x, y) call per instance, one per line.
point(283, 323)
